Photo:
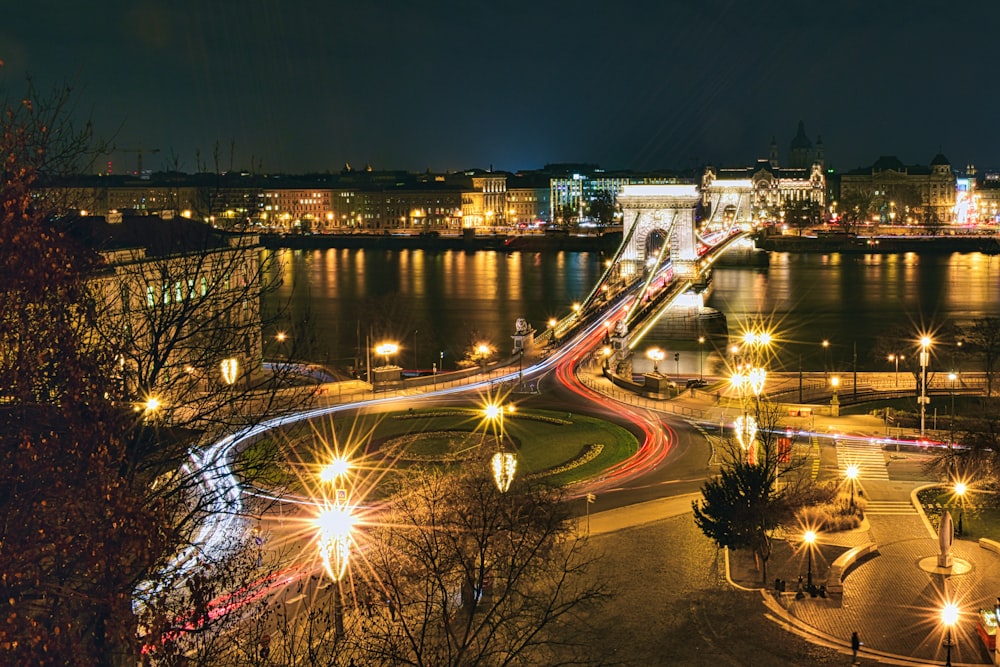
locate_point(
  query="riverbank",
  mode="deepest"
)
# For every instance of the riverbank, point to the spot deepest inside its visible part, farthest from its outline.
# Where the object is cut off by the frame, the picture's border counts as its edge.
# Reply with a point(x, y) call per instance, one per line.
point(607, 242)
point(844, 243)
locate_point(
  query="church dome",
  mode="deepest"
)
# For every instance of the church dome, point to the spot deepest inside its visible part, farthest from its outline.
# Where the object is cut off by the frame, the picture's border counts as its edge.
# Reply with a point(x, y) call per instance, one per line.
point(940, 161)
point(801, 141)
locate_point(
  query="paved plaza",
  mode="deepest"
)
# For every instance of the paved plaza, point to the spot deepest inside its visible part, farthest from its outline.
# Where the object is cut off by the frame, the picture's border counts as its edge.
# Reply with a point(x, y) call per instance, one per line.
point(890, 599)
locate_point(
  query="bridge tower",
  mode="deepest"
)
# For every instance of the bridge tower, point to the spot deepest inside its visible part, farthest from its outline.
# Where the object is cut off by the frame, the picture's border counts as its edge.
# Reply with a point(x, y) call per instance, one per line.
point(668, 209)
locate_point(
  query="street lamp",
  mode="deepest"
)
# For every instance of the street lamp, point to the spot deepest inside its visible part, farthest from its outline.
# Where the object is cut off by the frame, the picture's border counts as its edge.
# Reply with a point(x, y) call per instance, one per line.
point(925, 343)
point(334, 525)
point(656, 354)
point(852, 474)
point(896, 358)
point(701, 358)
point(385, 350)
point(809, 537)
point(960, 489)
point(949, 616)
point(503, 463)
point(951, 422)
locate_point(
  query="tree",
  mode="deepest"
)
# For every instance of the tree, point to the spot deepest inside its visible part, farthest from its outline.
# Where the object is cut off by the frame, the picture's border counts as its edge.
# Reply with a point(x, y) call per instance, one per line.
point(802, 214)
point(856, 208)
point(75, 530)
point(602, 208)
point(745, 504)
point(97, 501)
point(983, 337)
point(472, 576)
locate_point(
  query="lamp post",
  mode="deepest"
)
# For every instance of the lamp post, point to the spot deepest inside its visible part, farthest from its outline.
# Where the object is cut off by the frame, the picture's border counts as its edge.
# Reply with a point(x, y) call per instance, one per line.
point(385, 350)
point(656, 354)
point(960, 489)
point(810, 538)
point(701, 358)
point(826, 357)
point(852, 475)
point(896, 358)
point(951, 422)
point(925, 343)
point(949, 616)
point(334, 523)
point(503, 463)
point(483, 351)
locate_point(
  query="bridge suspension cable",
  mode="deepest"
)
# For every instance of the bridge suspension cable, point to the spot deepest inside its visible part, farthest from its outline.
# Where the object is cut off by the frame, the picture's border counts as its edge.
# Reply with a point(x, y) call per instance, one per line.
point(652, 273)
point(588, 302)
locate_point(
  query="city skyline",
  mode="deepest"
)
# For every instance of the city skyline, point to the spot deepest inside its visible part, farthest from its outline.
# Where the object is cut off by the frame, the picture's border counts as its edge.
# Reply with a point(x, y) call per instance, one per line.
point(446, 87)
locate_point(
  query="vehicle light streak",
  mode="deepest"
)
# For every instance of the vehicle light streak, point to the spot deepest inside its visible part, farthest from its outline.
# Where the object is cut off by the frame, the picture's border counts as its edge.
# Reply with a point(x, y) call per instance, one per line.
point(224, 524)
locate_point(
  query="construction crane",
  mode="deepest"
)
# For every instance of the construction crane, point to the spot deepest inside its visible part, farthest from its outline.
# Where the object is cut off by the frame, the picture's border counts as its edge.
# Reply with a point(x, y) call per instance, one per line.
point(138, 156)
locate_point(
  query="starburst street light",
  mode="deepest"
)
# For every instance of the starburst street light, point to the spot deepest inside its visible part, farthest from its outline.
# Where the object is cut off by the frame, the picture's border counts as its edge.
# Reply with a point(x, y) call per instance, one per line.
point(809, 537)
point(960, 489)
point(334, 523)
point(949, 616)
point(852, 474)
point(503, 463)
point(386, 350)
point(656, 354)
point(925, 343)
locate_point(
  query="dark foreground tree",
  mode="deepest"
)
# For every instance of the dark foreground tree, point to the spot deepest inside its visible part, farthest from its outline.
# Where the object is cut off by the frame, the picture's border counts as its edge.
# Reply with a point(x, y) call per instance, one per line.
point(452, 573)
point(96, 500)
point(75, 531)
point(749, 501)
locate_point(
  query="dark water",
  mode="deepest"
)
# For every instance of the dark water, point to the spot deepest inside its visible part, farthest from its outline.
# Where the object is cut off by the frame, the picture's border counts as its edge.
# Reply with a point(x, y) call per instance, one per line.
point(429, 302)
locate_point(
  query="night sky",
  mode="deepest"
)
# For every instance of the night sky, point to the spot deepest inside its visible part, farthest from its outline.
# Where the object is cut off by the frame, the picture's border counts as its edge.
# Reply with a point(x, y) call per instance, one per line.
point(297, 86)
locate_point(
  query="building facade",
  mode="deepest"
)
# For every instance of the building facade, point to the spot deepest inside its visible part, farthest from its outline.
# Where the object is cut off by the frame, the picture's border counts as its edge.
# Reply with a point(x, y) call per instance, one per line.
point(910, 194)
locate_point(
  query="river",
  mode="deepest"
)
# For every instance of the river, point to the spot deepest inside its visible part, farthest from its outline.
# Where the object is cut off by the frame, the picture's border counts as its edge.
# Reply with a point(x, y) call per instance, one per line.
point(335, 302)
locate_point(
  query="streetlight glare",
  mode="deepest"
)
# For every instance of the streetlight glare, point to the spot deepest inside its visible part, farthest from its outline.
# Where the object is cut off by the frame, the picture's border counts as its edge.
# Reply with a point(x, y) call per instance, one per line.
point(961, 488)
point(335, 522)
point(385, 349)
point(809, 536)
point(493, 411)
point(852, 471)
point(334, 525)
point(949, 614)
point(925, 341)
point(336, 468)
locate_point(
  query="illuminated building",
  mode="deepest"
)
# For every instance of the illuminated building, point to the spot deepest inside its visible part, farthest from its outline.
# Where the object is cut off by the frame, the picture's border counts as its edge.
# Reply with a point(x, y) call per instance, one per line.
point(183, 280)
point(917, 193)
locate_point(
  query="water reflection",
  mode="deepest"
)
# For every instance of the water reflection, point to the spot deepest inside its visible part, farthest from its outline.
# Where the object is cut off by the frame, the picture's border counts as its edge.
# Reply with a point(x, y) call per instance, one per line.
point(448, 296)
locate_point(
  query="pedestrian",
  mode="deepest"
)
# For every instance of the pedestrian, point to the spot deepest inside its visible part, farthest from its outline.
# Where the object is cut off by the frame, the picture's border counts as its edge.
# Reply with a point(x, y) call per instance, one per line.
point(799, 591)
point(855, 646)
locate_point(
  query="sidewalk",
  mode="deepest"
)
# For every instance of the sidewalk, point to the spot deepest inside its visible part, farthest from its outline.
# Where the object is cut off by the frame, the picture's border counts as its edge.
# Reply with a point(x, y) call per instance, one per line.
point(889, 599)
point(894, 603)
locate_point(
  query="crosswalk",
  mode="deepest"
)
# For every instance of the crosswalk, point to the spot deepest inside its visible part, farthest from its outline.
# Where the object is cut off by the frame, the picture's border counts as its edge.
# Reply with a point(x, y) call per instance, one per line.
point(890, 507)
point(864, 453)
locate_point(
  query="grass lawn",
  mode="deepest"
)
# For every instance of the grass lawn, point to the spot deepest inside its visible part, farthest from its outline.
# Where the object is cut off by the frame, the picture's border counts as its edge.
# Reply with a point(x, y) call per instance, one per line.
point(979, 519)
point(556, 447)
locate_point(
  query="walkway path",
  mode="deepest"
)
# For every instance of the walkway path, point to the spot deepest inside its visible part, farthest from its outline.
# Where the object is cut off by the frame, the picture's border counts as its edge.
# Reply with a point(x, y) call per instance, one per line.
point(888, 599)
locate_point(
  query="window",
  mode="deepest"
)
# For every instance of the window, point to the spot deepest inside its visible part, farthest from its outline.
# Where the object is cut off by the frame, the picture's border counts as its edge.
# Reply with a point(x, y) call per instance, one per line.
point(150, 296)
